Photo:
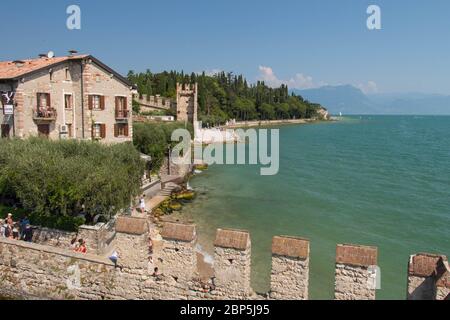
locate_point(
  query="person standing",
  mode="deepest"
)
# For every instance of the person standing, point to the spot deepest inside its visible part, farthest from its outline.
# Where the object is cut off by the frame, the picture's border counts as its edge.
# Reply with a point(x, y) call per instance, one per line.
point(142, 204)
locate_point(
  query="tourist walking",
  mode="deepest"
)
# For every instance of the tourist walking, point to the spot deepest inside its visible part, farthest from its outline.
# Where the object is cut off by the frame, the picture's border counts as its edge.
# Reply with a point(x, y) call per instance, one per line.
point(142, 204)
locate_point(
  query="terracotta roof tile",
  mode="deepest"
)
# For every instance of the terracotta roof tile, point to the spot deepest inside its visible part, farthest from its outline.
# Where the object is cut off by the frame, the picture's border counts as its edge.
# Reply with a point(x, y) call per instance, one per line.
point(424, 264)
point(12, 70)
point(178, 231)
point(356, 255)
point(291, 247)
point(234, 239)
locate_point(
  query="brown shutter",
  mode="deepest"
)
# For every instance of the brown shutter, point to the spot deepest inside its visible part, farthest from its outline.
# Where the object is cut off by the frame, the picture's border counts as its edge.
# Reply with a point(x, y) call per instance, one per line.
point(103, 131)
point(116, 130)
point(48, 100)
point(90, 102)
point(38, 104)
point(125, 105)
point(102, 102)
point(126, 130)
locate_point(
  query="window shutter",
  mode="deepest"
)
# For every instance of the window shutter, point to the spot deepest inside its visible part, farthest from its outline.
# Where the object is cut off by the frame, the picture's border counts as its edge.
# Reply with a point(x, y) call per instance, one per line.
point(48, 100)
point(102, 102)
point(125, 105)
point(126, 130)
point(116, 130)
point(93, 132)
point(90, 102)
point(103, 131)
point(38, 96)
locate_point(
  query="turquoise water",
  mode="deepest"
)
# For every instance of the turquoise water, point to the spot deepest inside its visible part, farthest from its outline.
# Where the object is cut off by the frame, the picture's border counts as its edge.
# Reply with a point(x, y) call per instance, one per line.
point(380, 180)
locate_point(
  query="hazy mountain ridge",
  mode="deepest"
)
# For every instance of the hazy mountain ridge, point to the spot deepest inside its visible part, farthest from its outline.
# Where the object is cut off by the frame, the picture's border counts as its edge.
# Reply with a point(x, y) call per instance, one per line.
point(351, 100)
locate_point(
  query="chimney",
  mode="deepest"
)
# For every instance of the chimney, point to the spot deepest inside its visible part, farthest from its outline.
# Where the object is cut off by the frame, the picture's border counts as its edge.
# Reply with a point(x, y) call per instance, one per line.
point(43, 55)
point(72, 52)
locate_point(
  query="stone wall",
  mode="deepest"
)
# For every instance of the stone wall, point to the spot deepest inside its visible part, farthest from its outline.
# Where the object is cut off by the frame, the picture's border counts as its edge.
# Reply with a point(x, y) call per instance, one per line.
point(290, 268)
point(428, 277)
point(232, 264)
point(354, 278)
point(99, 238)
point(35, 271)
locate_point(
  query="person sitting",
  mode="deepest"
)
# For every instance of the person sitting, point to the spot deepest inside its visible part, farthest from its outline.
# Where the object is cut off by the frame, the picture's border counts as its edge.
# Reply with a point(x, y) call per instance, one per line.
point(9, 219)
point(27, 234)
point(82, 246)
point(8, 231)
point(15, 232)
point(2, 228)
point(74, 243)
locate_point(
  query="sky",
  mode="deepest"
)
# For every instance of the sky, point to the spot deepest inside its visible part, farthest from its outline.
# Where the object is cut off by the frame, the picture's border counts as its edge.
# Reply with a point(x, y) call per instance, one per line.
point(305, 44)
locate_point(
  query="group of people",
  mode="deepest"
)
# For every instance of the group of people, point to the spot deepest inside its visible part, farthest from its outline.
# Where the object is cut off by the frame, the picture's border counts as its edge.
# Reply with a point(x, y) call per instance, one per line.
point(78, 245)
point(14, 230)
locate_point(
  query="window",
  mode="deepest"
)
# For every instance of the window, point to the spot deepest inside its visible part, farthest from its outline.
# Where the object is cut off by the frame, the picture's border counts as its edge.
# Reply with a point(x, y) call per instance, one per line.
point(96, 102)
point(43, 100)
point(121, 130)
point(67, 74)
point(68, 101)
point(99, 131)
point(121, 107)
point(69, 130)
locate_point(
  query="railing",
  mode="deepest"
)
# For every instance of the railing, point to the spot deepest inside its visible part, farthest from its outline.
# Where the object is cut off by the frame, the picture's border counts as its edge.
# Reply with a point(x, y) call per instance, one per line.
point(122, 114)
point(45, 113)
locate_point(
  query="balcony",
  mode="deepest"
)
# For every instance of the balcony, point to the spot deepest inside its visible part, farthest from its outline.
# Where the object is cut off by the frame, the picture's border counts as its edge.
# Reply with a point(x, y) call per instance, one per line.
point(122, 114)
point(44, 114)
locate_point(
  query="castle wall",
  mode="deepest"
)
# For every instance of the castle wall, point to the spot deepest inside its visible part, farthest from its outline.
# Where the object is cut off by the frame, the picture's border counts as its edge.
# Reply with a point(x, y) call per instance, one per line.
point(232, 264)
point(354, 278)
point(35, 271)
point(290, 268)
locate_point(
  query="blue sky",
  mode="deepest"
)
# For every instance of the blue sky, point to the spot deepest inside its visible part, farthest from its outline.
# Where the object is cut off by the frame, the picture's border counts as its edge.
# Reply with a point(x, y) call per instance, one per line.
point(303, 43)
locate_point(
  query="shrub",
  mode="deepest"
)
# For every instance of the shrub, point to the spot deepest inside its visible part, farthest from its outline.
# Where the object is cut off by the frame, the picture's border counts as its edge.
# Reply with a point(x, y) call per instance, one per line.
point(57, 182)
point(154, 139)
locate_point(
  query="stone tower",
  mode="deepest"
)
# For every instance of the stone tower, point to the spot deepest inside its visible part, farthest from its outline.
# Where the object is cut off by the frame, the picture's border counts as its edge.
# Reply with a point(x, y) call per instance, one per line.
point(187, 104)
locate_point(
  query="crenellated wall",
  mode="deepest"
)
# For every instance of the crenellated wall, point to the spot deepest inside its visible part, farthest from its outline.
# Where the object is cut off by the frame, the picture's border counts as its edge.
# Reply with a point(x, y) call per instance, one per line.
point(428, 277)
point(36, 271)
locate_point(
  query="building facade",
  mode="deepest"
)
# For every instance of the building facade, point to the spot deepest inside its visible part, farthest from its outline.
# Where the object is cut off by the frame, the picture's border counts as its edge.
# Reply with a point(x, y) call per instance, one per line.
point(72, 97)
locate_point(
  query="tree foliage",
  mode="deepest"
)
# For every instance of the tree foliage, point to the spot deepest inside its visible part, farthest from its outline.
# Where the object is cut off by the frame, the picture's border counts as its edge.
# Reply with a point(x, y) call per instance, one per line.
point(59, 182)
point(155, 139)
point(226, 96)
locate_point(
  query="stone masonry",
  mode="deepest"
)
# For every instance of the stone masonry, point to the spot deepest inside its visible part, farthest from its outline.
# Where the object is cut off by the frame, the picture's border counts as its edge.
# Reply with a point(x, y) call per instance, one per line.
point(354, 276)
point(36, 271)
point(232, 264)
point(428, 277)
point(290, 268)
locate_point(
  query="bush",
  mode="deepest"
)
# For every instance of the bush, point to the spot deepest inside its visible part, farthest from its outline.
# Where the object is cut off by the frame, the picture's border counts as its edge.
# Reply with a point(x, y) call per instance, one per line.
point(154, 139)
point(57, 182)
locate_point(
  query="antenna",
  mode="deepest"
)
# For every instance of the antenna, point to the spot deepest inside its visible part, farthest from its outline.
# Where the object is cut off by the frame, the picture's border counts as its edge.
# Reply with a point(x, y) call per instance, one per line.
point(50, 54)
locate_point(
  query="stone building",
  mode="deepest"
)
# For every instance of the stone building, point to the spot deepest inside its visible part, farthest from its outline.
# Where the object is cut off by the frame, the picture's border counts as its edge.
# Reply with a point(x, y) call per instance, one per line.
point(187, 102)
point(71, 97)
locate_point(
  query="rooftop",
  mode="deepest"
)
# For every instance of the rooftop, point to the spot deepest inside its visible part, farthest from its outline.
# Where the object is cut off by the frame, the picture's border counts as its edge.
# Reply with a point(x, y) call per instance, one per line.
point(19, 68)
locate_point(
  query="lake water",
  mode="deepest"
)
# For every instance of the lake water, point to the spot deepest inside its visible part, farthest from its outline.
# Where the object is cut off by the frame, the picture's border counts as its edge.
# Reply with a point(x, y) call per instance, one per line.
point(371, 180)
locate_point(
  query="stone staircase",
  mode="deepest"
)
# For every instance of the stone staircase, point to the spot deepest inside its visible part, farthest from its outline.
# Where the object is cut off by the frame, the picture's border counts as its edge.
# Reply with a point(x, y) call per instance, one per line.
point(169, 189)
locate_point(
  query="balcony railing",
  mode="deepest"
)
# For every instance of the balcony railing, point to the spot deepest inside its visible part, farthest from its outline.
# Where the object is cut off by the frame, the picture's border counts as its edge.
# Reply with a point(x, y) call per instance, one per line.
point(45, 114)
point(122, 114)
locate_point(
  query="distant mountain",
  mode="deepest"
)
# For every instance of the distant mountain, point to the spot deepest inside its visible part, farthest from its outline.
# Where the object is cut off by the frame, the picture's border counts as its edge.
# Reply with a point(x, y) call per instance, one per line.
point(350, 100)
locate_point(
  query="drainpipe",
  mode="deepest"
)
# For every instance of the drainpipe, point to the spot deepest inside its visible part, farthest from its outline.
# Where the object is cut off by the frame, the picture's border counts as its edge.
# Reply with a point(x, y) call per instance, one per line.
point(82, 102)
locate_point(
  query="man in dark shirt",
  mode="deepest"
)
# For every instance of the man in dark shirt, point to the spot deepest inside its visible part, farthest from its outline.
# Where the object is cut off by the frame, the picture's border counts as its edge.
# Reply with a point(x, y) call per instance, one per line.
point(27, 234)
